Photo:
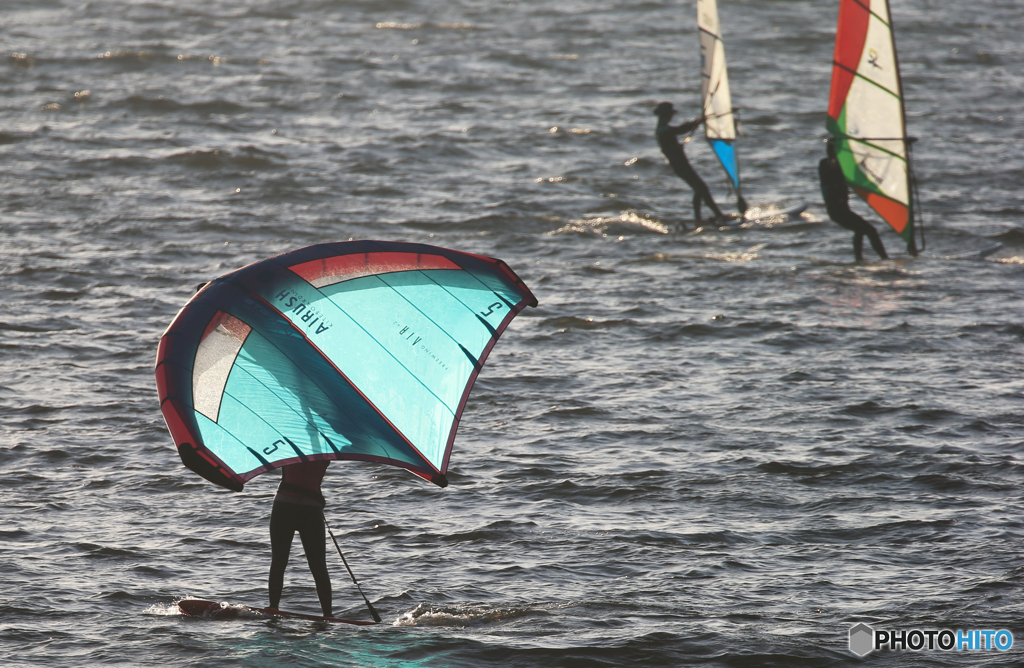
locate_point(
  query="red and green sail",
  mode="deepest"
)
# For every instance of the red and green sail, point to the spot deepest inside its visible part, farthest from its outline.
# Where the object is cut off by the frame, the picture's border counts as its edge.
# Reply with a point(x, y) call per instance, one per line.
point(866, 115)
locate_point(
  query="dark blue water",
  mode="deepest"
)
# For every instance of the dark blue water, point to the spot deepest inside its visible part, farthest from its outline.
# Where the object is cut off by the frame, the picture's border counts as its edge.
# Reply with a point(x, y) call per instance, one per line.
point(714, 448)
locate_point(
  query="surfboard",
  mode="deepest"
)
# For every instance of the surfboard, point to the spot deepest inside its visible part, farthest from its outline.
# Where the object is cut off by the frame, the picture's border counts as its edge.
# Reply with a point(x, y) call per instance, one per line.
point(194, 607)
point(979, 254)
point(764, 217)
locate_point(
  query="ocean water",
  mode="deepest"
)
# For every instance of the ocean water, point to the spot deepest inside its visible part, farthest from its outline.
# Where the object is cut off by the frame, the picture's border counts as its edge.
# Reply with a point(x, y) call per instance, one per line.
point(702, 448)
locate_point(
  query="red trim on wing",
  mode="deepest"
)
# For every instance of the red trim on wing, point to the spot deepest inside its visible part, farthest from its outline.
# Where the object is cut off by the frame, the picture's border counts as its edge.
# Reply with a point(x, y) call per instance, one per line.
point(184, 437)
point(161, 352)
point(172, 410)
point(346, 267)
point(161, 379)
point(232, 325)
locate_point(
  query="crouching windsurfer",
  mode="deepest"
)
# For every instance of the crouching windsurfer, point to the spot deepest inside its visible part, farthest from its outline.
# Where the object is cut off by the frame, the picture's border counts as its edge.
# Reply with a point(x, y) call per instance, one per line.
point(836, 194)
point(299, 506)
point(673, 150)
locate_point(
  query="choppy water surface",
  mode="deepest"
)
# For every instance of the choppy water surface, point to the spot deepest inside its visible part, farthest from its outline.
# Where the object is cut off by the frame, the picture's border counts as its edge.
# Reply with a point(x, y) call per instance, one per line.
point(702, 448)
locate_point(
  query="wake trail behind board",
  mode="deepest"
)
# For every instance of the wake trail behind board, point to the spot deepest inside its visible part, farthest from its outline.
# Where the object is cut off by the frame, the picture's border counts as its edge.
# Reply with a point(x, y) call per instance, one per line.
point(199, 608)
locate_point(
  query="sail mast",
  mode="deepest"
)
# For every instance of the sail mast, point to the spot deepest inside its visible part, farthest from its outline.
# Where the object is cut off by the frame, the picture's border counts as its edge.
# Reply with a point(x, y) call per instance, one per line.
point(866, 112)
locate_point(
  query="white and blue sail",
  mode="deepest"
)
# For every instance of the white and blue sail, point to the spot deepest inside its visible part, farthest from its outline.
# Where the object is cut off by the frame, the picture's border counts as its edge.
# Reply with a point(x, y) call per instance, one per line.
point(719, 123)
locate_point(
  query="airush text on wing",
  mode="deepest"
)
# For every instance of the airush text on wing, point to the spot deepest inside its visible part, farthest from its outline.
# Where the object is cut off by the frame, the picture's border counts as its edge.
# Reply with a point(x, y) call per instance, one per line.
point(300, 310)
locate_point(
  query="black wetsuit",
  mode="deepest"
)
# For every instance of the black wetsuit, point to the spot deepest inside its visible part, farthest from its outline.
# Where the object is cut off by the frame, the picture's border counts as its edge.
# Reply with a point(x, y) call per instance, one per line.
point(299, 506)
point(837, 202)
point(669, 143)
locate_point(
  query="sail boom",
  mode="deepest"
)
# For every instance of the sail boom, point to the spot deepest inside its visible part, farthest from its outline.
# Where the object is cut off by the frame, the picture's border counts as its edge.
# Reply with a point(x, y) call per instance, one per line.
point(898, 156)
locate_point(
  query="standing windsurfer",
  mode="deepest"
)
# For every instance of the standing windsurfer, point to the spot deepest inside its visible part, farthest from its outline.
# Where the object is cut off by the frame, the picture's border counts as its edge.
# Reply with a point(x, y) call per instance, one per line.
point(299, 506)
point(837, 202)
point(673, 150)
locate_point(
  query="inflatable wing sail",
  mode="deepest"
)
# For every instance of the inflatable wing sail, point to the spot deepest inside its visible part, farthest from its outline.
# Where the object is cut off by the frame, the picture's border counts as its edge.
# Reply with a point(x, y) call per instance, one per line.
point(865, 112)
point(720, 125)
point(363, 350)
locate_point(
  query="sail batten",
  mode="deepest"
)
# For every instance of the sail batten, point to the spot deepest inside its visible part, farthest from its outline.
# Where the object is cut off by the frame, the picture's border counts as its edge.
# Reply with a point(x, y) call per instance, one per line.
point(866, 112)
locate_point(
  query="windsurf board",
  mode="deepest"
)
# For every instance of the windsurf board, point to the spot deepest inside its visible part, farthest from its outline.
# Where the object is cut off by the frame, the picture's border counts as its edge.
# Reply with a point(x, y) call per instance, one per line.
point(763, 217)
point(194, 607)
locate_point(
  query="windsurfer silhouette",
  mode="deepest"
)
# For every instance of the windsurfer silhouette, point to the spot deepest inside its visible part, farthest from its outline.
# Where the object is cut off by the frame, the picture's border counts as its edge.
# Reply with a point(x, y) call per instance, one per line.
point(673, 150)
point(837, 202)
point(299, 506)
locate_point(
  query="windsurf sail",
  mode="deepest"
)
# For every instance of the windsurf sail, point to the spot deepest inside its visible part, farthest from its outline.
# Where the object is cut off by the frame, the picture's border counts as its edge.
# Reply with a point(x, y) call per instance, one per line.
point(866, 113)
point(720, 122)
point(364, 350)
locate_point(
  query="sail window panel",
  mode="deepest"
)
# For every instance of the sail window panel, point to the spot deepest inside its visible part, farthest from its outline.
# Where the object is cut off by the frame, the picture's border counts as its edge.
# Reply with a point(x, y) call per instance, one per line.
point(460, 309)
point(886, 173)
point(288, 397)
point(880, 8)
point(878, 60)
point(221, 439)
point(214, 358)
point(714, 77)
point(473, 300)
point(381, 373)
point(717, 101)
point(297, 374)
point(269, 441)
point(895, 147)
point(871, 113)
point(707, 16)
point(350, 345)
point(707, 61)
point(412, 330)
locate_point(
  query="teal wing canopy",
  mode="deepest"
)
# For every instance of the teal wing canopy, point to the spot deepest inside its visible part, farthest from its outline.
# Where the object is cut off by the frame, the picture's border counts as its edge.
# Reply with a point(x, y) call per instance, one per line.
point(364, 350)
